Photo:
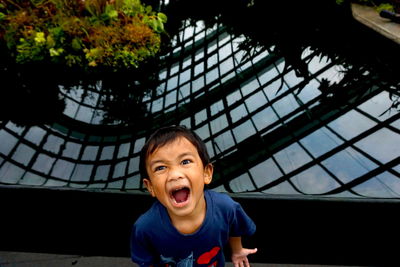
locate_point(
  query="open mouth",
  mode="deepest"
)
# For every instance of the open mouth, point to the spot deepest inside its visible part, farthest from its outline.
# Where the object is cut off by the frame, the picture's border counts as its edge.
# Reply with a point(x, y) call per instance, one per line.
point(180, 195)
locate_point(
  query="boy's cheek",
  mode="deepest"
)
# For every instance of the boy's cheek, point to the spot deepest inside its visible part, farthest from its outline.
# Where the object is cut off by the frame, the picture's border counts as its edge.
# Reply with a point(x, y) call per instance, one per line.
point(149, 186)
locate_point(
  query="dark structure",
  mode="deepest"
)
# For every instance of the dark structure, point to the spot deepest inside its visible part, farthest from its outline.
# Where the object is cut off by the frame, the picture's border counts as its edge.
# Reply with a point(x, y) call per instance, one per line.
point(300, 119)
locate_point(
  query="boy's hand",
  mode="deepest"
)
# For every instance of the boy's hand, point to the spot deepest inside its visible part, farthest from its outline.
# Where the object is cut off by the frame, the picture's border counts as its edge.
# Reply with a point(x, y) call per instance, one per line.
point(239, 258)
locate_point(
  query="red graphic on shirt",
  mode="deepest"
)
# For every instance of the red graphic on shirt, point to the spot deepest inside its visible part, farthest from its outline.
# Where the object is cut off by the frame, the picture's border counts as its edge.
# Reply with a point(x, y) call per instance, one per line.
point(214, 264)
point(206, 257)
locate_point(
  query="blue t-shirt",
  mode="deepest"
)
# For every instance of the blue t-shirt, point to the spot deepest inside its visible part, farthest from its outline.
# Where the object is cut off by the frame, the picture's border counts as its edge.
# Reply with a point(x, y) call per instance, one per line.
point(155, 241)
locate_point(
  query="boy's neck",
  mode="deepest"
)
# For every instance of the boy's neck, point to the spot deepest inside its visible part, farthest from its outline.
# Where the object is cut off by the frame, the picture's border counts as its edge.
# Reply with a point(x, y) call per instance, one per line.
point(190, 224)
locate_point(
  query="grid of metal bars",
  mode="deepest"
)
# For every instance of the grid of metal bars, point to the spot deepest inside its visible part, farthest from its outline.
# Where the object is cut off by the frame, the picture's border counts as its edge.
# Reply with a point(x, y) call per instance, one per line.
point(267, 130)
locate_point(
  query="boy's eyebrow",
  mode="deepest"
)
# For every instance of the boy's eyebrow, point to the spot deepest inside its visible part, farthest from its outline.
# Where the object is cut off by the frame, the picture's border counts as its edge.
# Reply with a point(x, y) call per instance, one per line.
point(153, 162)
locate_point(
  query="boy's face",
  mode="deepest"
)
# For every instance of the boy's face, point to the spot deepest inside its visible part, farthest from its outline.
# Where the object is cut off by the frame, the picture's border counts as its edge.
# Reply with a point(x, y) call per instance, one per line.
point(177, 177)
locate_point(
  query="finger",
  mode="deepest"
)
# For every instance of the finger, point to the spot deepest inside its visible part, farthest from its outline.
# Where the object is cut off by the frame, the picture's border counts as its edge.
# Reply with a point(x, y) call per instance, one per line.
point(252, 251)
point(236, 264)
point(241, 264)
point(246, 262)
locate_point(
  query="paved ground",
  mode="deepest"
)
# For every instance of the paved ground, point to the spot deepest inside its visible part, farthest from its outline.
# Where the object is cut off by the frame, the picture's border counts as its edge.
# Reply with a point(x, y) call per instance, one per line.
point(370, 17)
point(22, 259)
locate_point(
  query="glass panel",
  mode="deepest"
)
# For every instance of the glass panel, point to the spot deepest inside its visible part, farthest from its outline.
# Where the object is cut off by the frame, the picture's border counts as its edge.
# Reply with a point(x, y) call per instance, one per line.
point(199, 68)
point(384, 185)
point(380, 145)
point(53, 144)
point(212, 75)
point(224, 141)
point(244, 131)
point(170, 99)
point(10, 174)
point(225, 51)
point(241, 183)
point(63, 169)
point(7, 142)
point(70, 108)
point(82, 172)
point(119, 169)
point(72, 150)
point(255, 101)
point(90, 153)
point(314, 181)
point(133, 165)
point(198, 84)
point(172, 83)
point(291, 79)
point(157, 105)
point(226, 66)
point(123, 150)
point(320, 142)
point(238, 113)
point(139, 144)
point(351, 124)
point(201, 116)
point(43, 163)
point(186, 62)
point(85, 114)
point(264, 118)
point(217, 107)
point(184, 76)
point(233, 97)
point(283, 188)
point(249, 87)
point(102, 173)
point(265, 173)
point(377, 106)
point(316, 64)
point(35, 135)
point(286, 105)
point(107, 153)
point(23, 154)
point(292, 157)
point(183, 92)
point(203, 132)
point(348, 165)
point(32, 179)
point(219, 124)
point(267, 74)
point(396, 124)
point(133, 182)
point(174, 69)
point(310, 91)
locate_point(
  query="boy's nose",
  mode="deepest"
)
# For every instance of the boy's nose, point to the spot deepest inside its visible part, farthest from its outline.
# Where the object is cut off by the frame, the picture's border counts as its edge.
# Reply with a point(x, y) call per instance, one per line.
point(175, 174)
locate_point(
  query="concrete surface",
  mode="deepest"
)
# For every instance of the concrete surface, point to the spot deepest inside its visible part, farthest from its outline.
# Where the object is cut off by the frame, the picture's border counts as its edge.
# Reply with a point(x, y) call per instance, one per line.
point(370, 17)
point(23, 259)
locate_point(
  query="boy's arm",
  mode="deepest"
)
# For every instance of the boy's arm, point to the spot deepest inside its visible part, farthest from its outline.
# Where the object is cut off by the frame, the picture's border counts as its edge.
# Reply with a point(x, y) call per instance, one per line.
point(239, 254)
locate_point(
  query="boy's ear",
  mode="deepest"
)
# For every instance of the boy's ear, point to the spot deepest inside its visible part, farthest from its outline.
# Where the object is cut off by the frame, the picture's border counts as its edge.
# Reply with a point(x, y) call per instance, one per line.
point(208, 173)
point(149, 186)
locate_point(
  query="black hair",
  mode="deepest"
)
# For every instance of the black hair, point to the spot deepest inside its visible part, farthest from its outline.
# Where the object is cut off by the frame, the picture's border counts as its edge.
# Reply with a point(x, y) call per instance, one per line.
point(166, 135)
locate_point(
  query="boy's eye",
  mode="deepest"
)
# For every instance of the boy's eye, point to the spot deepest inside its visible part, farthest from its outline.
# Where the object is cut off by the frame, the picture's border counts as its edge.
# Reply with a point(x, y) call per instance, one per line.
point(159, 168)
point(186, 161)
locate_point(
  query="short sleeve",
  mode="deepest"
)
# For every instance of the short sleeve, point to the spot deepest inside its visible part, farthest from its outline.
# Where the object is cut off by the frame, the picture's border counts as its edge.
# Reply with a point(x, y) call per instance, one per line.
point(140, 247)
point(241, 224)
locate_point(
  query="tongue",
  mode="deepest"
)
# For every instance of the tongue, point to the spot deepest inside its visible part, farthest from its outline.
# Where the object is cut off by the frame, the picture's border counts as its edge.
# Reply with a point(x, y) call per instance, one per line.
point(181, 195)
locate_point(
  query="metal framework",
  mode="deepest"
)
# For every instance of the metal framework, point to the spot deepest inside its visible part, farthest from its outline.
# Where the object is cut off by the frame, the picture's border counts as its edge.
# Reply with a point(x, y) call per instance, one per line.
point(268, 130)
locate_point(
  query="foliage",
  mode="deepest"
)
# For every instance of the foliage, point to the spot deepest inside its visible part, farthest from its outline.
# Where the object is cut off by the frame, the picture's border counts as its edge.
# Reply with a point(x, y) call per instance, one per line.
point(378, 5)
point(111, 34)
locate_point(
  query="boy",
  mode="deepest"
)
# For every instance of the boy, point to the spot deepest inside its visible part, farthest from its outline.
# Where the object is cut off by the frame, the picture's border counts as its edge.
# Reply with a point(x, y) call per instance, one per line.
point(187, 225)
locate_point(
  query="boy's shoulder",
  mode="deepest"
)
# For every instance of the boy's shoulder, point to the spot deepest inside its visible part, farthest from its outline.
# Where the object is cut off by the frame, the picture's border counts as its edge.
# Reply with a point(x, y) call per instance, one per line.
point(150, 217)
point(221, 199)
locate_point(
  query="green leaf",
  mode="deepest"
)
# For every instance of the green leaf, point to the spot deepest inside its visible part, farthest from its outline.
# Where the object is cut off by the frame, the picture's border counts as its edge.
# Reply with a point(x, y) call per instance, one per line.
point(162, 17)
